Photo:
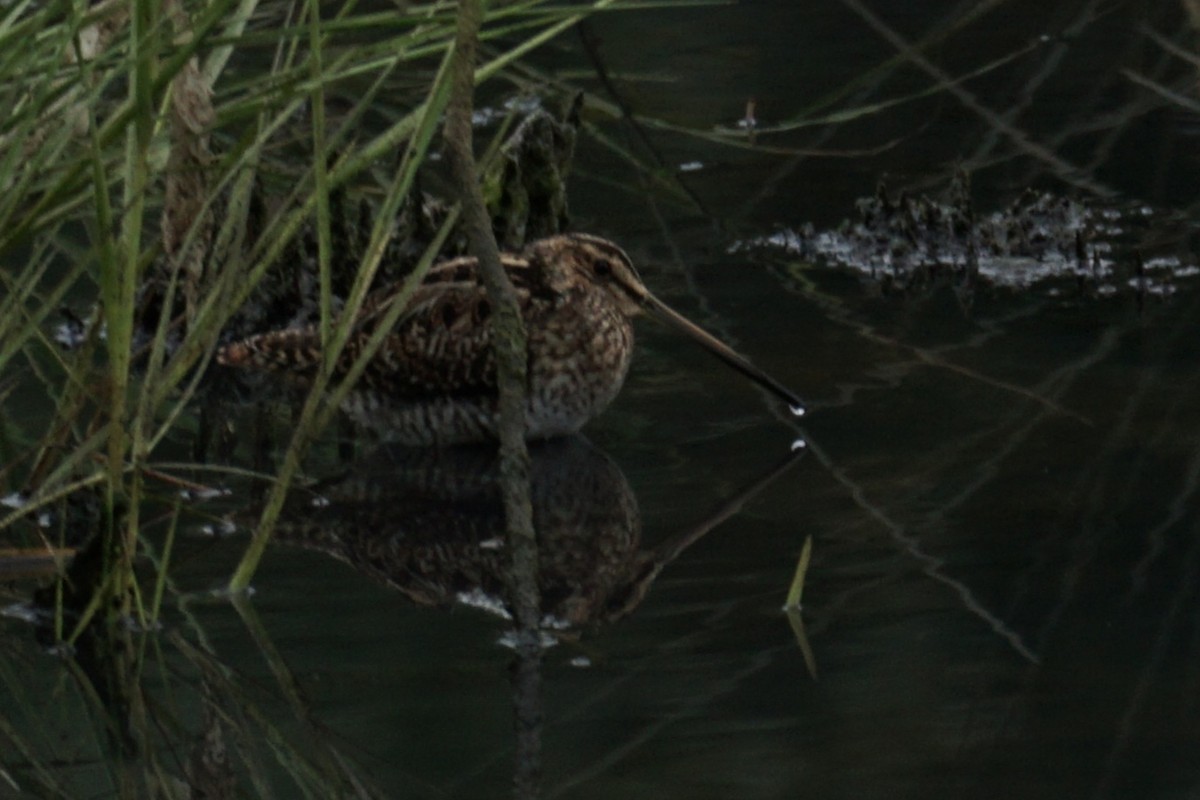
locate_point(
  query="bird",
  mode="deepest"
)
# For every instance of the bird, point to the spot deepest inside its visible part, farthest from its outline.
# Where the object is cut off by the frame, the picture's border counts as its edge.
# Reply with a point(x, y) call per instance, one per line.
point(433, 381)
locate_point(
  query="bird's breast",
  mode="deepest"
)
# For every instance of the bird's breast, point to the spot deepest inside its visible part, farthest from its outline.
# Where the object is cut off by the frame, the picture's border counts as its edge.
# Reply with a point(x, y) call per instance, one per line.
point(578, 359)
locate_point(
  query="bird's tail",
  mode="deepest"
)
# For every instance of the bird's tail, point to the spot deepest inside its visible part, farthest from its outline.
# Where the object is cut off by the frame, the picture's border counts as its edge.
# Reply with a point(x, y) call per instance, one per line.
point(297, 350)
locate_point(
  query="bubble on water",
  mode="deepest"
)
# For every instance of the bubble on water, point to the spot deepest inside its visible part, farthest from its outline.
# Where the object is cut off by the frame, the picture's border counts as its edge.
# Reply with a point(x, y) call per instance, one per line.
point(797, 410)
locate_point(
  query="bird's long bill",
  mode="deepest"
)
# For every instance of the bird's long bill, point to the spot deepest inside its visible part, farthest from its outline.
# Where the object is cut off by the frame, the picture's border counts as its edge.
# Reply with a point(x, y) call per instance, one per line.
point(722, 351)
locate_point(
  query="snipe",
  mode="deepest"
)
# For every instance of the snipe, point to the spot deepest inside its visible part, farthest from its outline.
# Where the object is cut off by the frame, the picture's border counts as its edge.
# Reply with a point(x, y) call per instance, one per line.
point(433, 381)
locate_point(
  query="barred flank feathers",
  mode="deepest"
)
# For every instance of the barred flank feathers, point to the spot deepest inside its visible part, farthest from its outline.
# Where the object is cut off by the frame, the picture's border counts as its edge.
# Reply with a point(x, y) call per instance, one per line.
point(279, 351)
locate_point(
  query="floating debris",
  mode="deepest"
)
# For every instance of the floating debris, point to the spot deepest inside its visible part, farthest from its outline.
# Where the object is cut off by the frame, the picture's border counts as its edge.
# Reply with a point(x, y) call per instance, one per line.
point(1145, 285)
point(1040, 237)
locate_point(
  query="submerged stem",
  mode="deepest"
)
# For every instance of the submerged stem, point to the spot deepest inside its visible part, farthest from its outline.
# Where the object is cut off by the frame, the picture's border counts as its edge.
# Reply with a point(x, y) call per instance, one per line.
point(507, 328)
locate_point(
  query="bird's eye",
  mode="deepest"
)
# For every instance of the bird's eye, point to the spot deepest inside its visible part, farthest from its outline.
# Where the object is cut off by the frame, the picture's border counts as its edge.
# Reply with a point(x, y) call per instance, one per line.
point(603, 267)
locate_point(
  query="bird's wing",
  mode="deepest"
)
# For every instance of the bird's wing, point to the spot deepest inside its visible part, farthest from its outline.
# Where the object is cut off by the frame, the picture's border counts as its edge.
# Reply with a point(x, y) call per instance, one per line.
point(441, 344)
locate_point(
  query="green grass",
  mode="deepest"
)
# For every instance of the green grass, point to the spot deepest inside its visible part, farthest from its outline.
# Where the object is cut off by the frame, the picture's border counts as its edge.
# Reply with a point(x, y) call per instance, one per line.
point(96, 108)
point(85, 206)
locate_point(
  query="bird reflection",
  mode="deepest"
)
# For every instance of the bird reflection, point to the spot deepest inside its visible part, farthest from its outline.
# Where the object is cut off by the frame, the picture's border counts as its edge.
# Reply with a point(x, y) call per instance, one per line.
point(430, 523)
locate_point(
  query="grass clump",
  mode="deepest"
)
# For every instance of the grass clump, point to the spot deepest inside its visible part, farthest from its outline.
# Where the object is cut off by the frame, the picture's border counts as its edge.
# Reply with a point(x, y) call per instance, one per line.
point(141, 140)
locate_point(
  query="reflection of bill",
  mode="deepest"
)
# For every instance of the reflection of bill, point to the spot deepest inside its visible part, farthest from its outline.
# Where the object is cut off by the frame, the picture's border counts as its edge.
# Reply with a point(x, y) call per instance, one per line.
point(430, 523)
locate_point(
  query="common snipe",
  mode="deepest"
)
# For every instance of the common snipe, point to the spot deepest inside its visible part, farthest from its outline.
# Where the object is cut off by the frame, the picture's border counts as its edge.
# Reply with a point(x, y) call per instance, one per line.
point(433, 381)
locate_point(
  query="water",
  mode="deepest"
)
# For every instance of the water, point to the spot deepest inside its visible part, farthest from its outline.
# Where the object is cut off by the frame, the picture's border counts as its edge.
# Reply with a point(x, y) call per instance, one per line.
point(1000, 487)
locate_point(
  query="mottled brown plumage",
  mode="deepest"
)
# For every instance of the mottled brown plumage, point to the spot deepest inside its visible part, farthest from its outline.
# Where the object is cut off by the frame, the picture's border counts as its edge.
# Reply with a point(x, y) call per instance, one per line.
point(433, 381)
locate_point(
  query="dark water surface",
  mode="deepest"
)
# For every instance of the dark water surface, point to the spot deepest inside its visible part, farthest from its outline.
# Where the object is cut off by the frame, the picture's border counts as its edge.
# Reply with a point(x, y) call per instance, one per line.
point(1000, 488)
